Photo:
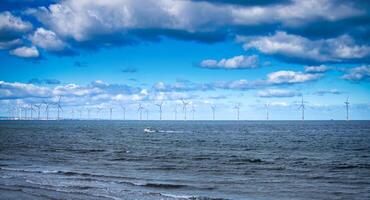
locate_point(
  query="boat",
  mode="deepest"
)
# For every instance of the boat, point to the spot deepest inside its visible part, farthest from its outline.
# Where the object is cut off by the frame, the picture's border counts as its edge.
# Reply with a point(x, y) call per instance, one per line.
point(150, 130)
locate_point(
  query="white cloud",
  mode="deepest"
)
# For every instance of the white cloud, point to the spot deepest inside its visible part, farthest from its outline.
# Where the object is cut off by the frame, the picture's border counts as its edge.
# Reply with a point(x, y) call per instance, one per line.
point(25, 52)
point(282, 77)
point(316, 69)
point(84, 19)
point(11, 23)
point(330, 91)
point(47, 39)
point(237, 62)
point(361, 73)
point(10, 44)
point(278, 93)
point(22, 90)
point(298, 47)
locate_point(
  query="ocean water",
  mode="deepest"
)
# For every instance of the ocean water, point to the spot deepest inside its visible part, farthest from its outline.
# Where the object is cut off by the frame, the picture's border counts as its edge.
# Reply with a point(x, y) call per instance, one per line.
point(262, 160)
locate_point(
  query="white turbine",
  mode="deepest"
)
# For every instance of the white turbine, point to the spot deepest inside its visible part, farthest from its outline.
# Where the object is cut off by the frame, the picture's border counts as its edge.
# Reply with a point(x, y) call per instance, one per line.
point(213, 107)
point(267, 106)
point(302, 106)
point(124, 112)
point(110, 113)
point(347, 107)
point(184, 105)
point(47, 106)
point(140, 110)
point(98, 110)
point(193, 111)
point(59, 107)
point(237, 108)
point(160, 109)
point(175, 111)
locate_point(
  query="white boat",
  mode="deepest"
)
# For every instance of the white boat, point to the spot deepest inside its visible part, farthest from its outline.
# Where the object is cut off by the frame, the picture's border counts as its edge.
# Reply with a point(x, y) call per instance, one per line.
point(149, 130)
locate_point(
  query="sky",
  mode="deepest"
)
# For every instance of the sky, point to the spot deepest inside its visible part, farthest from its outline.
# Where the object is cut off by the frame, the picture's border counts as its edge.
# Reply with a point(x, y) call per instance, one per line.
point(117, 54)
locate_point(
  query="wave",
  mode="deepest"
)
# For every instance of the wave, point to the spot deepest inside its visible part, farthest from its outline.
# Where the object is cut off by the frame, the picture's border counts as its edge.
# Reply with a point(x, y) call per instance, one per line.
point(189, 197)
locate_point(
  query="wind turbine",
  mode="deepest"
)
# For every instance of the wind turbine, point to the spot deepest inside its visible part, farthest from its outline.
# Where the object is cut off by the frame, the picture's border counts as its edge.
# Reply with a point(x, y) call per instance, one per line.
point(47, 109)
point(193, 111)
point(160, 109)
point(38, 106)
point(302, 107)
point(147, 114)
point(73, 113)
point(124, 112)
point(59, 107)
point(267, 110)
point(140, 110)
point(175, 111)
point(213, 107)
point(184, 105)
point(88, 112)
point(237, 108)
point(347, 107)
point(99, 109)
point(110, 113)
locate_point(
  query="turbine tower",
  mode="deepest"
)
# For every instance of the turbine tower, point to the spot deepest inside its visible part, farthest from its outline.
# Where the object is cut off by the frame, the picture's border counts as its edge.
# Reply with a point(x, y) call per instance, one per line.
point(193, 111)
point(160, 109)
point(237, 108)
point(98, 110)
point(347, 107)
point(47, 109)
point(147, 114)
point(267, 106)
point(124, 112)
point(110, 113)
point(213, 107)
point(38, 106)
point(59, 107)
point(88, 112)
point(184, 105)
point(140, 110)
point(302, 107)
point(175, 111)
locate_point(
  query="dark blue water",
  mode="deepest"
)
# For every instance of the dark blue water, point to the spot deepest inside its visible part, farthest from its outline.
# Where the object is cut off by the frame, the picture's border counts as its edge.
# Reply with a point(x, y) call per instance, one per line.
point(185, 160)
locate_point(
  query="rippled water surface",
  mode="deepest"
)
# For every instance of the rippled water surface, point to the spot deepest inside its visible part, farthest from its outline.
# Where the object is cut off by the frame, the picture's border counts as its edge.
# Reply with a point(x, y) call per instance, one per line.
point(185, 160)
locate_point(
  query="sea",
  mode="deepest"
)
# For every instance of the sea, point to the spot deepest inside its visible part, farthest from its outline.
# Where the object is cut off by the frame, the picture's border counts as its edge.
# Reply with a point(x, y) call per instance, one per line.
point(186, 160)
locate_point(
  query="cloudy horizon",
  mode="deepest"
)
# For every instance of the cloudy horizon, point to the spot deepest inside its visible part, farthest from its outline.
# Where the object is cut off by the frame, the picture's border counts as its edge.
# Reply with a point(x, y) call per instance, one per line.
point(109, 54)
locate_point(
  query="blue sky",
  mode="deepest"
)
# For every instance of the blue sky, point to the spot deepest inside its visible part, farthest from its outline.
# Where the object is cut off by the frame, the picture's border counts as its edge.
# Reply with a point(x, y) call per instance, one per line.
point(110, 54)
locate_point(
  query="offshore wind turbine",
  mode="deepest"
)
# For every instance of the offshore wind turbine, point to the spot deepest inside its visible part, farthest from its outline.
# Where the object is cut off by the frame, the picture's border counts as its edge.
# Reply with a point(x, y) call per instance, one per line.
point(184, 105)
point(47, 106)
point(140, 110)
point(160, 109)
point(110, 113)
point(302, 106)
point(124, 112)
point(193, 111)
point(347, 107)
point(59, 107)
point(147, 114)
point(175, 111)
point(99, 109)
point(88, 112)
point(267, 106)
point(237, 108)
point(213, 107)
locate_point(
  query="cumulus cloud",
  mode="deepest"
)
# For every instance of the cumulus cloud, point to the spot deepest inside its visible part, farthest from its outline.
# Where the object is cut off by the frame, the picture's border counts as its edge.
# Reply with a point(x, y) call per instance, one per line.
point(10, 44)
point(47, 40)
point(278, 93)
point(316, 69)
point(296, 47)
point(124, 21)
point(21, 90)
point(12, 27)
point(290, 77)
point(237, 62)
point(330, 91)
point(44, 81)
point(25, 52)
point(361, 73)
